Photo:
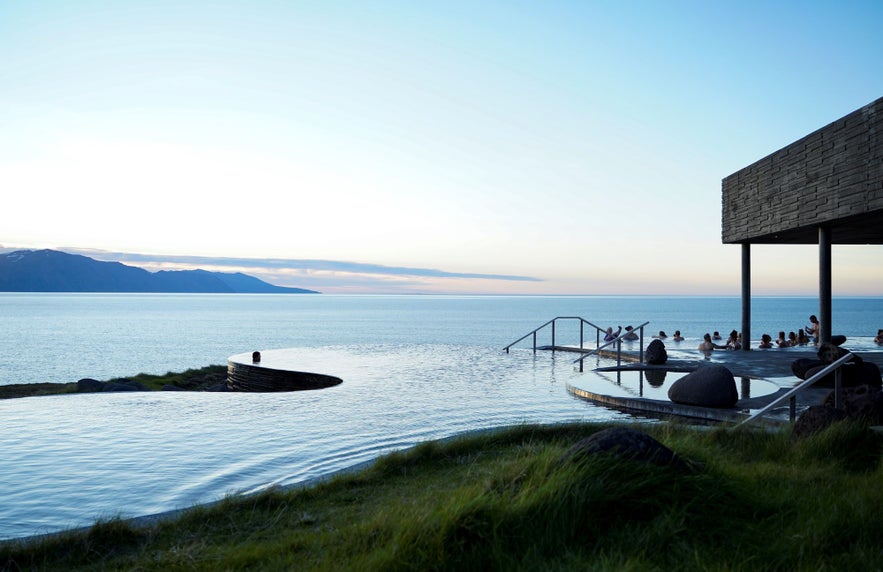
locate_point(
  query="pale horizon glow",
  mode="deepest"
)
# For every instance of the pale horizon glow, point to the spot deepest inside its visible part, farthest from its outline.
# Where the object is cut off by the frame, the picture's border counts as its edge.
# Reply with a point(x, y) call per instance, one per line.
point(560, 148)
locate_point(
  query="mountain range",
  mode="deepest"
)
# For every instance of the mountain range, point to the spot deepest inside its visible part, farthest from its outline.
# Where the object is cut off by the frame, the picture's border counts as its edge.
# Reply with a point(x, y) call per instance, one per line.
point(56, 271)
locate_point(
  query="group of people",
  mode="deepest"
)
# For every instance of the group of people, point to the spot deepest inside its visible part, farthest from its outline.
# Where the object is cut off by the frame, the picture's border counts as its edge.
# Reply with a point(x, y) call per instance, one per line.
point(629, 335)
point(804, 336)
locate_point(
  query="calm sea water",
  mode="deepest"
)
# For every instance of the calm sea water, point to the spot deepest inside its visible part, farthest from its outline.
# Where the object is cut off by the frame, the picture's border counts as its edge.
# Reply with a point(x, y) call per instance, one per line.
point(414, 368)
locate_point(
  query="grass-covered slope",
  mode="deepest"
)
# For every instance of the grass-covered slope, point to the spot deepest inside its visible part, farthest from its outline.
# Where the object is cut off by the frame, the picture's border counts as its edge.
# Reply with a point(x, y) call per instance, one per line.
point(505, 501)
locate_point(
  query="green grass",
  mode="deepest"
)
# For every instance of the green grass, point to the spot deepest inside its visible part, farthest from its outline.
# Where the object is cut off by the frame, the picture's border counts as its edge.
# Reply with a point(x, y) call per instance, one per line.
point(192, 379)
point(505, 501)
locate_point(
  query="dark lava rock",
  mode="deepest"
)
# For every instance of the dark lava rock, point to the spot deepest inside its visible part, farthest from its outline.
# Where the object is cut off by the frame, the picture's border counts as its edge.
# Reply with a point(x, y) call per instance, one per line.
point(655, 353)
point(709, 386)
point(624, 443)
point(89, 385)
point(855, 374)
point(125, 385)
point(799, 367)
point(170, 387)
point(815, 419)
point(864, 402)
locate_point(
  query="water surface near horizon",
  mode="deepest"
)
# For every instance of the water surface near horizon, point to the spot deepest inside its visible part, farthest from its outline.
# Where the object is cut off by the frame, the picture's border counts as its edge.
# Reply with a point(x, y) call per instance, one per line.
point(64, 337)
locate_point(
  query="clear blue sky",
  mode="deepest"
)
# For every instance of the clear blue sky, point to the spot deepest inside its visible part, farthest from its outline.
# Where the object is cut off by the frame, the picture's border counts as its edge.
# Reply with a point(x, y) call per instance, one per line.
point(474, 147)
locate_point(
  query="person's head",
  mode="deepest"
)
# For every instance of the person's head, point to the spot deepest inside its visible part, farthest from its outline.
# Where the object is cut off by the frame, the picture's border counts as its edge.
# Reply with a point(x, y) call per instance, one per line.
point(609, 329)
point(628, 328)
point(813, 319)
point(677, 332)
point(880, 332)
point(766, 338)
point(791, 335)
point(781, 334)
point(734, 334)
point(707, 337)
point(800, 332)
point(716, 333)
point(661, 334)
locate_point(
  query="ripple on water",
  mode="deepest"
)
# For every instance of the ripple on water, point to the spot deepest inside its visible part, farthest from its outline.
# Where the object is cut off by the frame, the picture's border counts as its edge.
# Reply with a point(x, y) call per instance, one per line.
point(71, 459)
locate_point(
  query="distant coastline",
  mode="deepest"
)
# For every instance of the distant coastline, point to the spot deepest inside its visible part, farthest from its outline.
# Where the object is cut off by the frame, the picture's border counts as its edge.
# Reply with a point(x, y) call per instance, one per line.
point(57, 271)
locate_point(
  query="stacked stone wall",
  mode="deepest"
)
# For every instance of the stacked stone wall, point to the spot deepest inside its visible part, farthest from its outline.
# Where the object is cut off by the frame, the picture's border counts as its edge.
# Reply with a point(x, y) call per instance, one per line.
point(831, 174)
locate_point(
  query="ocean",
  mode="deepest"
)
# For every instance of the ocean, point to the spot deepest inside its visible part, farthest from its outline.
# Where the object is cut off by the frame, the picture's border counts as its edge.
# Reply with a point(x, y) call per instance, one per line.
point(414, 368)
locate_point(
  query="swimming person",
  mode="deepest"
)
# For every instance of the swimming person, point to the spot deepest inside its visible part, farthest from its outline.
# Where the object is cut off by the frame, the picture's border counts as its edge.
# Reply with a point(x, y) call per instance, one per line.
point(630, 334)
point(678, 337)
point(781, 341)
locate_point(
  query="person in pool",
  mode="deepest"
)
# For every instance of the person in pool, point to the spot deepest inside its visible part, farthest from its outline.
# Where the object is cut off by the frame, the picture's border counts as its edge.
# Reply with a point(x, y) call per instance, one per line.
point(802, 338)
point(879, 339)
point(677, 337)
point(716, 335)
point(707, 346)
point(661, 335)
point(813, 329)
point(609, 335)
point(781, 341)
point(766, 342)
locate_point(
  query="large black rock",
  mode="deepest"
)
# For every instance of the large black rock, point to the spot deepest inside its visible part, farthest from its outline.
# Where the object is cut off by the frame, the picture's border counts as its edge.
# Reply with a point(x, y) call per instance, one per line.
point(655, 353)
point(709, 386)
point(625, 443)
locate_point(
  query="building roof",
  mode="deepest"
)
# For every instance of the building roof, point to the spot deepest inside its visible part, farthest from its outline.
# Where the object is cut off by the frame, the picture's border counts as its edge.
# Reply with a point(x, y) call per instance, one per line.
point(833, 177)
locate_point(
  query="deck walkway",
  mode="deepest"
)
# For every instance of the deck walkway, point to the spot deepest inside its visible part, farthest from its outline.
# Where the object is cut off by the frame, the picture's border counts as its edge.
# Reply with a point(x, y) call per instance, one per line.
point(773, 365)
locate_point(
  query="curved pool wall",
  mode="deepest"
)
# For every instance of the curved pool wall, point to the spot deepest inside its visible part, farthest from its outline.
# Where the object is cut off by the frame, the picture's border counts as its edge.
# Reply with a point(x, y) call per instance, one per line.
point(257, 376)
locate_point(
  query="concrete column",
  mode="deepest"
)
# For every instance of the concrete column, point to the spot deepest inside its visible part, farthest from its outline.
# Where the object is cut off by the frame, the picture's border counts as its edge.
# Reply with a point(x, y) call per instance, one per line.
point(825, 312)
point(746, 296)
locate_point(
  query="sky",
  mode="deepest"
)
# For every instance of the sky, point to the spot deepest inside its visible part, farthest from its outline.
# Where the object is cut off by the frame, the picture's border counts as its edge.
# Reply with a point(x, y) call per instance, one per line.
point(535, 148)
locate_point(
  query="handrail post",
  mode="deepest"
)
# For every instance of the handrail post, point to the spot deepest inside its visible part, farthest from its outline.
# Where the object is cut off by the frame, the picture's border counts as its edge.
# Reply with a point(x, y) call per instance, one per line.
point(838, 388)
point(582, 326)
point(792, 408)
point(553, 335)
point(618, 353)
point(641, 346)
point(534, 341)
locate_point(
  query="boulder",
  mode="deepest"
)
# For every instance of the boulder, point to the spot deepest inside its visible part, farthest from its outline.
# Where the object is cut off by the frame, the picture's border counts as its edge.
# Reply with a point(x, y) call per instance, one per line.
point(125, 385)
point(655, 353)
point(625, 443)
point(89, 385)
point(709, 386)
point(799, 367)
point(863, 402)
point(855, 374)
point(815, 419)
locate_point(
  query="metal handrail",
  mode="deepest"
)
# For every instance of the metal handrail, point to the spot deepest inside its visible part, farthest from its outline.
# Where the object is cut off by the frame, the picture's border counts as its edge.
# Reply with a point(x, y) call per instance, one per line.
point(617, 340)
point(583, 321)
point(796, 389)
